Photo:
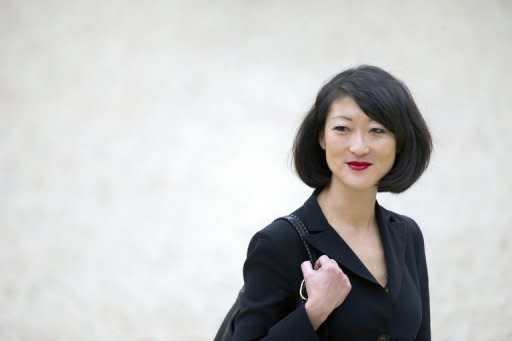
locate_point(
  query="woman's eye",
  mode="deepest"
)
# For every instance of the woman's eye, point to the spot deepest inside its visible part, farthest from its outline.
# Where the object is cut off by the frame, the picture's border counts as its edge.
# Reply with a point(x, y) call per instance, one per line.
point(340, 128)
point(378, 130)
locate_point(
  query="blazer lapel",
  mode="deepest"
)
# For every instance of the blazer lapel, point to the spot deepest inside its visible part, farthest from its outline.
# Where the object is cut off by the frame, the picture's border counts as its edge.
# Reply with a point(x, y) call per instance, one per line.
point(326, 240)
point(393, 236)
point(331, 244)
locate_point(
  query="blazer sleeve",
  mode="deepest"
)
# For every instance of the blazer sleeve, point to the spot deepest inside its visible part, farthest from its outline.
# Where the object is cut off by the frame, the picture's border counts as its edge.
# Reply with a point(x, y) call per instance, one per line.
point(421, 263)
point(269, 307)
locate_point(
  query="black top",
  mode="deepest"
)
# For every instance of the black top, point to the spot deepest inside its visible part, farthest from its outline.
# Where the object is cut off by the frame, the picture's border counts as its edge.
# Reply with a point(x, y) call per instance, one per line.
point(270, 306)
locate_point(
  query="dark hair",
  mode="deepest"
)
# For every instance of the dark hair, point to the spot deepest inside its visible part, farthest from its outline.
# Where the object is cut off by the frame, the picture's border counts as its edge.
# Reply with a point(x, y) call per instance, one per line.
point(384, 99)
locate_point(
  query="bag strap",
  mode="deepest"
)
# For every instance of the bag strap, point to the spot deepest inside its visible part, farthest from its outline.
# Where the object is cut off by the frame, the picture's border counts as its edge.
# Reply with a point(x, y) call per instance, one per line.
point(302, 231)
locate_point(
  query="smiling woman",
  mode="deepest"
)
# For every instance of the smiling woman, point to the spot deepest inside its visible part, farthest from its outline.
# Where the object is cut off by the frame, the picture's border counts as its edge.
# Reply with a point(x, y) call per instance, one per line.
point(359, 151)
point(363, 135)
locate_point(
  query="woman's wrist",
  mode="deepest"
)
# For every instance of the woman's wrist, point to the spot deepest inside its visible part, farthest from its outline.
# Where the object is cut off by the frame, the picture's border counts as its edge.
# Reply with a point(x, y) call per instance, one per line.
point(317, 313)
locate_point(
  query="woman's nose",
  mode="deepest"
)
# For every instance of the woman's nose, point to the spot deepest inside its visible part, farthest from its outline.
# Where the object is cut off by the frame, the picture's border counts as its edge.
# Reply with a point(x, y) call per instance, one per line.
point(359, 145)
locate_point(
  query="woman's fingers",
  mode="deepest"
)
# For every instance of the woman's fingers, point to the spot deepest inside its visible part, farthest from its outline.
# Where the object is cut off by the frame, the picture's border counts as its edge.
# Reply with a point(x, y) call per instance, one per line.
point(321, 261)
point(326, 262)
point(327, 285)
point(306, 268)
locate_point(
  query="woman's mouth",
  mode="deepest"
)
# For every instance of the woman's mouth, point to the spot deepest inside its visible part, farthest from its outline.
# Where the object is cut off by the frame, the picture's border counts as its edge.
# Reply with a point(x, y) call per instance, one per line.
point(358, 166)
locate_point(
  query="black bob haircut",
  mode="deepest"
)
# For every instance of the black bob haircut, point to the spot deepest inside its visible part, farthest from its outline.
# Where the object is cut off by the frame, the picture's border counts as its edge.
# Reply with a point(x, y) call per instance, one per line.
point(384, 99)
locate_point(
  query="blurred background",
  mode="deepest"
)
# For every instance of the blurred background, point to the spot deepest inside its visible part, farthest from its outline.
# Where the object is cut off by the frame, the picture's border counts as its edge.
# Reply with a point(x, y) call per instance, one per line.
point(142, 144)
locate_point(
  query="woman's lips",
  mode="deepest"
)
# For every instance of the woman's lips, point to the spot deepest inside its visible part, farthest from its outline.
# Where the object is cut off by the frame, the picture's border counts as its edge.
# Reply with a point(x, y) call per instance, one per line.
point(358, 166)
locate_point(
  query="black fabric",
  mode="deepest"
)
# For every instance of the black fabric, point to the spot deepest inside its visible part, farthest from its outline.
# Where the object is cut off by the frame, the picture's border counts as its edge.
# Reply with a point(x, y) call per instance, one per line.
point(272, 275)
point(226, 329)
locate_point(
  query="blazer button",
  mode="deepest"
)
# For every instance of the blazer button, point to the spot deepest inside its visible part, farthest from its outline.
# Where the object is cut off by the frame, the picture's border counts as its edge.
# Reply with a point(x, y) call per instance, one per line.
point(383, 337)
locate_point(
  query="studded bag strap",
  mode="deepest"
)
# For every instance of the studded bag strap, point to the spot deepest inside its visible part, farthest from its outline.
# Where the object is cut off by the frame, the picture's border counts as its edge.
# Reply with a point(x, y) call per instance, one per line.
point(302, 231)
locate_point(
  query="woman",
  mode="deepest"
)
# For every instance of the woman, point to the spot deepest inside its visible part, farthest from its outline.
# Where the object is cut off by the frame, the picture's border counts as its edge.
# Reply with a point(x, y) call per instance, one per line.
point(363, 135)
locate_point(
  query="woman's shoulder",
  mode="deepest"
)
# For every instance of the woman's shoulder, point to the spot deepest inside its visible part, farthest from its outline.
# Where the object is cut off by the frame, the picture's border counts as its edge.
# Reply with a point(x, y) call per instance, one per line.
point(279, 232)
point(404, 222)
point(278, 239)
point(277, 250)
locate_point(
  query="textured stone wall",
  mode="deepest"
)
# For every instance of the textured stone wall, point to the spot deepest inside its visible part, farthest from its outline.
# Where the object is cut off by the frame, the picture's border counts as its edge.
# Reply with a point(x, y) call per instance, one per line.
point(143, 143)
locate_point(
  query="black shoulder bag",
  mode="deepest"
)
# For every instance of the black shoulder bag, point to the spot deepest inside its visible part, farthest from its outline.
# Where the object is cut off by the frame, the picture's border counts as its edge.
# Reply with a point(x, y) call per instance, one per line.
point(227, 328)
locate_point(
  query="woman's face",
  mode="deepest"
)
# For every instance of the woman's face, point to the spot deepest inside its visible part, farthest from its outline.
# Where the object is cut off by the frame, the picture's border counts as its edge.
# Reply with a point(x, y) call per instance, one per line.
point(359, 151)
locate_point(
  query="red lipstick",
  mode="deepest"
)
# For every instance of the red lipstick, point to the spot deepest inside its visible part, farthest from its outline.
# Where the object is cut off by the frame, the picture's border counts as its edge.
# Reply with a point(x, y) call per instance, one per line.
point(358, 166)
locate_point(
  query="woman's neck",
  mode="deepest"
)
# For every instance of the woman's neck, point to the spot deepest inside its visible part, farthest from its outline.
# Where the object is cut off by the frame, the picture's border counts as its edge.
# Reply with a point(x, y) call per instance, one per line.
point(354, 210)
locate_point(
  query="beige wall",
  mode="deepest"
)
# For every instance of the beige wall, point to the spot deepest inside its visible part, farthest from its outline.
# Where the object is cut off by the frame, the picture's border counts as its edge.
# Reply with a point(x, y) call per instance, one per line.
point(142, 144)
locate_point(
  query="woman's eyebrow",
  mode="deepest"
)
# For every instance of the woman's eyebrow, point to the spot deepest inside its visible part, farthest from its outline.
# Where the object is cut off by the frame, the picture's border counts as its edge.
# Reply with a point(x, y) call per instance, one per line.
point(350, 118)
point(342, 116)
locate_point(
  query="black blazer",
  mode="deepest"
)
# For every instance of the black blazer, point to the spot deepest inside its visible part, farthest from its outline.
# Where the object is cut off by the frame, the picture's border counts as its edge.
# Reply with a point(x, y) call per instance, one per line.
point(271, 309)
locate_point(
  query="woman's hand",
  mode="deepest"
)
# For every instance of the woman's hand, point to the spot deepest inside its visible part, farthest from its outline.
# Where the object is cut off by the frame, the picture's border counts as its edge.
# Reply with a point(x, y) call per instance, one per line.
point(327, 287)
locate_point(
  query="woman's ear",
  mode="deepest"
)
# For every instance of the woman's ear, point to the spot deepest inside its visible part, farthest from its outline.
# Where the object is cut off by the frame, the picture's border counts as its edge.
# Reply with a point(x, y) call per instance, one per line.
point(321, 140)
